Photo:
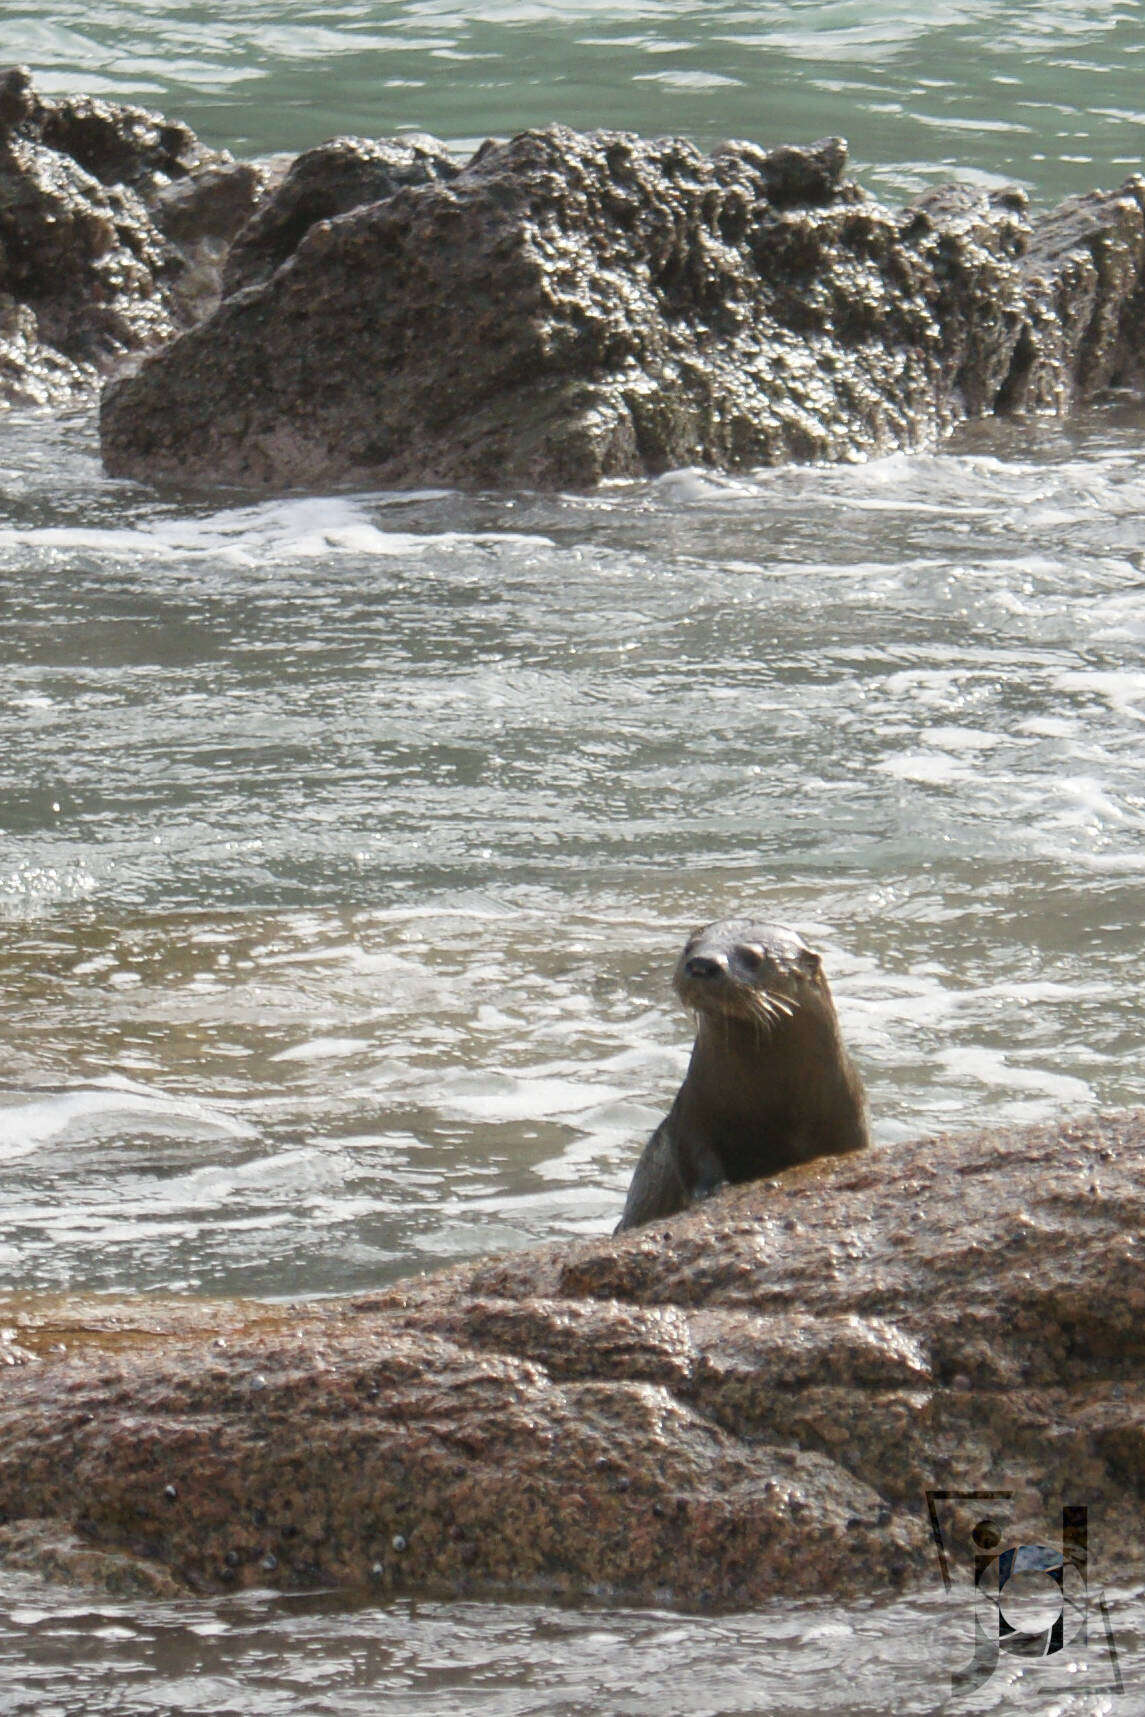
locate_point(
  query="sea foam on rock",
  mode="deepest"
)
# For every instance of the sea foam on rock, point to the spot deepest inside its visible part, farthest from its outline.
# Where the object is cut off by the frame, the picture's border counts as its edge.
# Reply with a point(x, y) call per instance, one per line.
point(749, 1400)
point(572, 307)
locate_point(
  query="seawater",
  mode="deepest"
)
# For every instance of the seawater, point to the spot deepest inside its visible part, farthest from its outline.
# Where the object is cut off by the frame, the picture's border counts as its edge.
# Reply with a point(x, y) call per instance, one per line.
point(346, 841)
point(261, 1656)
point(1047, 95)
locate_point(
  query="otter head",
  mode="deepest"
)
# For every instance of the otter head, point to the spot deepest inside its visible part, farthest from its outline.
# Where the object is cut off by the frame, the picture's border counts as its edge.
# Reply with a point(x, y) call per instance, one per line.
point(740, 969)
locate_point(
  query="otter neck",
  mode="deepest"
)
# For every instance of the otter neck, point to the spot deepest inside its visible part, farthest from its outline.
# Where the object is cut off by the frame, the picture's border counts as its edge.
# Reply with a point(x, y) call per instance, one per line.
point(743, 1080)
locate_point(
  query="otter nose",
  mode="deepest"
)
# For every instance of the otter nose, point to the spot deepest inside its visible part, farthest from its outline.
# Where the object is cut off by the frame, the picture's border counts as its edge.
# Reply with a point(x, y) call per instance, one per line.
point(701, 966)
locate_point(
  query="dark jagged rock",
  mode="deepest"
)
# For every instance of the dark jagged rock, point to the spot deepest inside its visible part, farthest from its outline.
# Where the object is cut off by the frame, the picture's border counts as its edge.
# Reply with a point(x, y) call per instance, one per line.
point(793, 176)
point(215, 203)
point(327, 181)
point(31, 372)
point(567, 308)
point(121, 145)
point(564, 309)
point(1084, 277)
point(201, 215)
point(21, 110)
point(1037, 315)
point(81, 271)
point(574, 307)
point(88, 272)
point(749, 1400)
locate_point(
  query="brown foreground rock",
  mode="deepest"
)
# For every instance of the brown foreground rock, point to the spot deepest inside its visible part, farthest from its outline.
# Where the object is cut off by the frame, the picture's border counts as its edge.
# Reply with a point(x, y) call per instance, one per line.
point(749, 1400)
point(572, 307)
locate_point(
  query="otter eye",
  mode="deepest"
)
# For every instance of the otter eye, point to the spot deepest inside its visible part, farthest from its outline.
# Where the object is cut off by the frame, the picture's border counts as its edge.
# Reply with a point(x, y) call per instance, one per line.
point(750, 956)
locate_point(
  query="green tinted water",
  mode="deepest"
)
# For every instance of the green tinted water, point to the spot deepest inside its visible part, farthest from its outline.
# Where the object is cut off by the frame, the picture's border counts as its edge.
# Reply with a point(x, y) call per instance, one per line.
point(1047, 95)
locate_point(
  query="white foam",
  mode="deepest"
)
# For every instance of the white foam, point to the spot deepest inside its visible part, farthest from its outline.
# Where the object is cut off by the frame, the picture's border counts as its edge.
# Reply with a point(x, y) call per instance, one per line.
point(687, 79)
point(1123, 691)
point(304, 529)
point(323, 1049)
point(928, 768)
point(993, 1067)
point(501, 1096)
point(26, 1126)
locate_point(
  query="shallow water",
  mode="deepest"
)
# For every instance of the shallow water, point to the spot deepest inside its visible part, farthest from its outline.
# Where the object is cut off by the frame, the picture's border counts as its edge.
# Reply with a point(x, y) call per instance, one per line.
point(346, 842)
point(265, 1656)
point(349, 841)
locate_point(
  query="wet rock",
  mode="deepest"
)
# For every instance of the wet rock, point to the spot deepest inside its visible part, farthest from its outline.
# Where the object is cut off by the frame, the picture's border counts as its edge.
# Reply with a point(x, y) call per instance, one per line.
point(564, 309)
point(32, 373)
point(1084, 276)
point(21, 110)
point(215, 203)
point(973, 246)
point(322, 183)
point(88, 275)
point(567, 308)
point(80, 259)
point(749, 1400)
point(575, 307)
point(52, 1553)
point(1037, 315)
point(201, 215)
point(121, 145)
point(793, 176)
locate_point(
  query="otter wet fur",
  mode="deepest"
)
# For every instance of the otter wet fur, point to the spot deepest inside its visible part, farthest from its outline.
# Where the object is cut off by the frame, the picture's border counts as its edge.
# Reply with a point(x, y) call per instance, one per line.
point(769, 1083)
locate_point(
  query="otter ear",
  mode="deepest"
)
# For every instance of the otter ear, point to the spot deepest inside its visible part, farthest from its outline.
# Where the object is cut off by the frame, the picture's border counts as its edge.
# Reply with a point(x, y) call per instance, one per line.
point(812, 961)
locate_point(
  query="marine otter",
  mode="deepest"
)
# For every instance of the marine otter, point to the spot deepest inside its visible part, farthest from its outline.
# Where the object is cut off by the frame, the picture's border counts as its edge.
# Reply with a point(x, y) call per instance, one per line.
point(769, 1083)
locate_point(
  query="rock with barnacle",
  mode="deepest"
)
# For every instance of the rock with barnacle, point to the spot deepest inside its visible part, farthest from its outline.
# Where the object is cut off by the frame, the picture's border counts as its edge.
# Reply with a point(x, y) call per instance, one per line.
point(769, 1083)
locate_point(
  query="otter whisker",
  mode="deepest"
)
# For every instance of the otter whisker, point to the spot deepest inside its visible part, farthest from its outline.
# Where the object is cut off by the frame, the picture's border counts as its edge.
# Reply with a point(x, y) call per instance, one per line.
point(761, 1024)
point(771, 1008)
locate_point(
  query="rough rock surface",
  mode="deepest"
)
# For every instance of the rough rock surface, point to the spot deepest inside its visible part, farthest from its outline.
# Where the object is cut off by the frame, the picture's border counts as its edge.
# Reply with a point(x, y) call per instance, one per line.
point(748, 1400)
point(54, 1553)
point(88, 270)
point(201, 215)
point(321, 183)
point(574, 307)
